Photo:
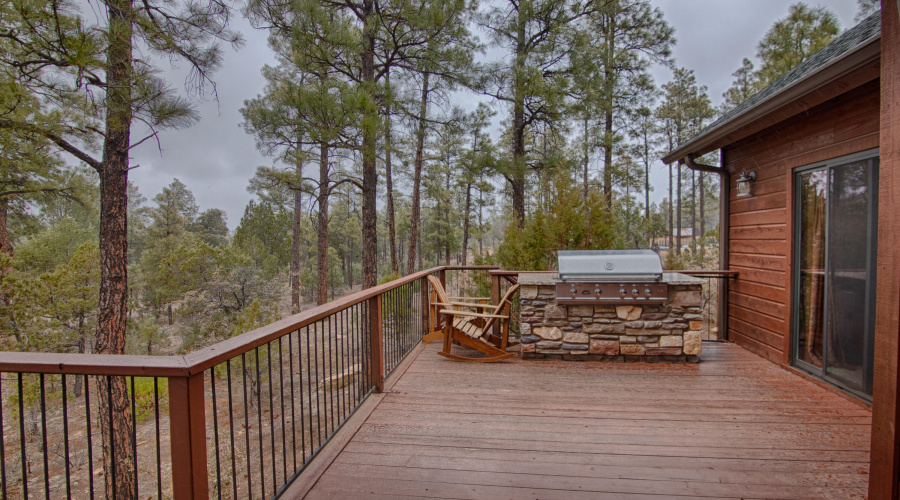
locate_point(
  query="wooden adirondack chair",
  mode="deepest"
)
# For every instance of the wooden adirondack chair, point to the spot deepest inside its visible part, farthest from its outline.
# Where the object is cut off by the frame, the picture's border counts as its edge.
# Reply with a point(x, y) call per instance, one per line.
point(439, 300)
point(473, 329)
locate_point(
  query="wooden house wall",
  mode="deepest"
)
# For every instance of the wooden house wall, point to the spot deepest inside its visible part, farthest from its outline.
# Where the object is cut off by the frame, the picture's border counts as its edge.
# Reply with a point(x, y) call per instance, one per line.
point(759, 301)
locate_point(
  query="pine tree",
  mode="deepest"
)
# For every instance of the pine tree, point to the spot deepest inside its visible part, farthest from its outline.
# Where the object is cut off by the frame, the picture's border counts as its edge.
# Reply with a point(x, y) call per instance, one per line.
point(535, 81)
point(790, 41)
point(626, 37)
point(56, 55)
point(793, 39)
point(684, 111)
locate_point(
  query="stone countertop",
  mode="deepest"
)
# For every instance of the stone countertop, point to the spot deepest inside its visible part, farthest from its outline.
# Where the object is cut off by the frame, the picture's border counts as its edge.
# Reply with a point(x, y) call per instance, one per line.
point(549, 278)
point(537, 278)
point(682, 279)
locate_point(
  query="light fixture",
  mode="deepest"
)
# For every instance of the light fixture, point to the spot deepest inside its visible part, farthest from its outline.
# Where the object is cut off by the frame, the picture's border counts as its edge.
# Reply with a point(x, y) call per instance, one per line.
point(743, 183)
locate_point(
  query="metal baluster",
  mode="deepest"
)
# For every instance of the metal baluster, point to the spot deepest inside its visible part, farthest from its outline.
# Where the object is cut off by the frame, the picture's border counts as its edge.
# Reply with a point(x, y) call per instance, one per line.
point(308, 394)
point(271, 417)
point(90, 445)
point(335, 367)
point(44, 437)
point(283, 428)
point(112, 434)
point(318, 401)
point(231, 430)
point(247, 427)
point(262, 460)
point(215, 415)
point(2, 445)
point(158, 447)
point(22, 441)
point(293, 395)
point(65, 410)
point(134, 438)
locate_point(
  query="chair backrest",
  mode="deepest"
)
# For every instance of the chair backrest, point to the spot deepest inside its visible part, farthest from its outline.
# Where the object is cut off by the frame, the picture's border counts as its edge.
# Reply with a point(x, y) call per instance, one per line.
point(439, 290)
point(506, 298)
point(498, 309)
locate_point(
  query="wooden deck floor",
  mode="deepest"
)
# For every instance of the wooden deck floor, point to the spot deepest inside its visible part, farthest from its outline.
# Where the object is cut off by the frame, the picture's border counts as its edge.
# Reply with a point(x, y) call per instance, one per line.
point(733, 426)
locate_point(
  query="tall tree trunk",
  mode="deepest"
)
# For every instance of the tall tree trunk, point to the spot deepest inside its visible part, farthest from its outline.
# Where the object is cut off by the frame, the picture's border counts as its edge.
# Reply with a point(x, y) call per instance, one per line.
point(419, 253)
point(693, 207)
point(295, 247)
point(702, 205)
point(465, 244)
point(480, 222)
point(389, 182)
point(417, 176)
point(115, 410)
point(370, 172)
point(678, 213)
point(646, 181)
point(516, 178)
point(5, 244)
point(446, 202)
point(586, 158)
point(607, 160)
point(608, 111)
point(671, 214)
point(322, 227)
point(349, 243)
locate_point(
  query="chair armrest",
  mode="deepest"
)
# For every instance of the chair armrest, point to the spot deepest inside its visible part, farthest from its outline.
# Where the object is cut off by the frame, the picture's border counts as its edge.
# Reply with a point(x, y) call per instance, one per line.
point(467, 304)
point(449, 312)
point(464, 304)
point(470, 298)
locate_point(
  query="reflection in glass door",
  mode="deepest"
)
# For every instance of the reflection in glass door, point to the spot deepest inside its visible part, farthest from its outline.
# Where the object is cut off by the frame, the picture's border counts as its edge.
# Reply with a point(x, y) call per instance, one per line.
point(835, 228)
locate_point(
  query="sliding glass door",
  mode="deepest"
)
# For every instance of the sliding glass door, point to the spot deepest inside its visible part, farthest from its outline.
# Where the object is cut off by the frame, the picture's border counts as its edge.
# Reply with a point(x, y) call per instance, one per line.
point(834, 281)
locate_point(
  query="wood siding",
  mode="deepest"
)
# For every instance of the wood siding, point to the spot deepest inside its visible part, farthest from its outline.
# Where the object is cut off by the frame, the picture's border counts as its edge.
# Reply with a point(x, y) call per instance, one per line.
point(759, 301)
point(886, 403)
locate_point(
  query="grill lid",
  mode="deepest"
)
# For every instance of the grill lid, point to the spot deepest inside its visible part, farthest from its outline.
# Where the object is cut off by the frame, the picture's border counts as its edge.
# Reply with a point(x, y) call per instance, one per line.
point(609, 265)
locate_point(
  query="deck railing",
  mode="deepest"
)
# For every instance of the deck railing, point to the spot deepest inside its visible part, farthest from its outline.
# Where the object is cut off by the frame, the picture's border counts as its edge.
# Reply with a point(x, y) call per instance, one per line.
point(714, 327)
point(238, 419)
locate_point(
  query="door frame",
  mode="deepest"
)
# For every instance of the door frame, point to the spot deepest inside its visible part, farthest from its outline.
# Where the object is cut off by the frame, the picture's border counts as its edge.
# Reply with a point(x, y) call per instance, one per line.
point(872, 224)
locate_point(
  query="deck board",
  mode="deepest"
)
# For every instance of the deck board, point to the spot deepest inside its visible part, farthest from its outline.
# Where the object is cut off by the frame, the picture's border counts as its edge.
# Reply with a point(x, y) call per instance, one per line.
point(732, 426)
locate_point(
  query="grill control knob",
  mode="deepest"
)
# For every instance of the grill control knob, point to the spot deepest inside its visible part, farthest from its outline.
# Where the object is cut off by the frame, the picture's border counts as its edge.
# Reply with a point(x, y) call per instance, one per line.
point(648, 291)
point(634, 291)
point(597, 291)
point(622, 291)
point(574, 291)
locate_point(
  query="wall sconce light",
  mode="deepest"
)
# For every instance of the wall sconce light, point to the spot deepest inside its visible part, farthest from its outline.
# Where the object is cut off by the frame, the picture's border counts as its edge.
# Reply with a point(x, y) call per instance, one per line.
point(743, 183)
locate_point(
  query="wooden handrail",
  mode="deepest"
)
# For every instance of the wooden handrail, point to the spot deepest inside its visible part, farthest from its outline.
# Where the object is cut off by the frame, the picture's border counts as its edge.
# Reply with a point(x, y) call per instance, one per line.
point(93, 364)
point(706, 272)
point(203, 359)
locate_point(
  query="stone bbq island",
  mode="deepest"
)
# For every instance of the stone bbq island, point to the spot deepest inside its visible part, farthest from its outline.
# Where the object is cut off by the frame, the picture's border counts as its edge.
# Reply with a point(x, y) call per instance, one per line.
point(623, 332)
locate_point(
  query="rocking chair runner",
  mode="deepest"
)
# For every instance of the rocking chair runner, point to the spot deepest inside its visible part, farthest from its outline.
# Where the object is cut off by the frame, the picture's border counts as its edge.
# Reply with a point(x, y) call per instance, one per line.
point(473, 329)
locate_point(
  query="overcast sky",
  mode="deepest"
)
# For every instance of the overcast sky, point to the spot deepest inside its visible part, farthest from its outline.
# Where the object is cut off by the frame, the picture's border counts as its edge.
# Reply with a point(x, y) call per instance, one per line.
point(215, 158)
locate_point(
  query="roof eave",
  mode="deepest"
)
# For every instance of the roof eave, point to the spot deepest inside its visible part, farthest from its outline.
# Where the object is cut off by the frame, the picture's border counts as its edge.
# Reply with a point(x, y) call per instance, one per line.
point(836, 69)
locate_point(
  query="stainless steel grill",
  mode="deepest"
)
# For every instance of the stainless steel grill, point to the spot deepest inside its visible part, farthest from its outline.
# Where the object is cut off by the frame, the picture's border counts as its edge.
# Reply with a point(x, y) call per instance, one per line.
point(610, 276)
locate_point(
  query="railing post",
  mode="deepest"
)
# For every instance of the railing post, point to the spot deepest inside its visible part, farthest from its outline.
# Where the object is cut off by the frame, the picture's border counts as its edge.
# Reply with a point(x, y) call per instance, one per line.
point(376, 343)
point(495, 298)
point(442, 277)
point(426, 304)
point(187, 417)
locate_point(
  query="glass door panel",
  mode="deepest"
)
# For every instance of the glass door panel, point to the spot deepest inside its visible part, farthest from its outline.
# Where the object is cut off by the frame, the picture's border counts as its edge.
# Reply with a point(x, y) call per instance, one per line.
point(836, 223)
point(849, 250)
point(813, 196)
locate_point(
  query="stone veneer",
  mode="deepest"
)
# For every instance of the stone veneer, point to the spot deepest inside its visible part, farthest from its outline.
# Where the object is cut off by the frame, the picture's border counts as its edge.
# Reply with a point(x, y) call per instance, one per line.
point(667, 332)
